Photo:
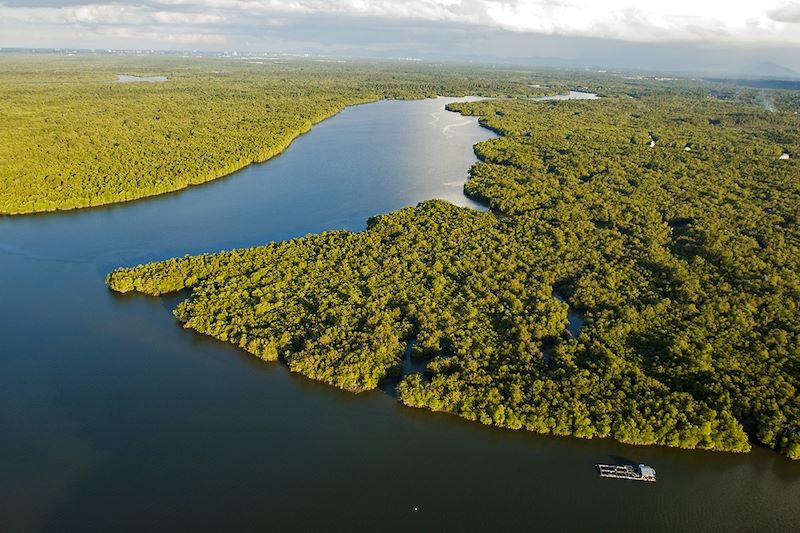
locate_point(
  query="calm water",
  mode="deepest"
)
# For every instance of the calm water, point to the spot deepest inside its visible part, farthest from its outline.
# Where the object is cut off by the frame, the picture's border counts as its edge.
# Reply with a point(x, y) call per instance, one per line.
point(113, 418)
point(126, 78)
point(572, 95)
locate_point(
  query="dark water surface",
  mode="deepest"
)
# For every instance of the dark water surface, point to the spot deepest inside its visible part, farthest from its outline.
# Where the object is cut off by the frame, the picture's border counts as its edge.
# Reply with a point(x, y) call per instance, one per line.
point(114, 419)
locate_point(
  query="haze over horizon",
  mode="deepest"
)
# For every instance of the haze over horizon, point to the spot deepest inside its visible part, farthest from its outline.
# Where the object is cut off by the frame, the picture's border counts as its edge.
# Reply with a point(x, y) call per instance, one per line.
point(681, 36)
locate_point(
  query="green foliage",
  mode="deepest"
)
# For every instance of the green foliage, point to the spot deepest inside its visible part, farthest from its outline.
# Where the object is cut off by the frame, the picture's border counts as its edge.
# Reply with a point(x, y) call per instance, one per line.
point(684, 264)
point(71, 138)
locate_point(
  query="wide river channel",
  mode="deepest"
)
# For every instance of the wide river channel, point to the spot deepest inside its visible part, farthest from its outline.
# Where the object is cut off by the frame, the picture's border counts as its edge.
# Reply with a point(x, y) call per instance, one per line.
point(114, 419)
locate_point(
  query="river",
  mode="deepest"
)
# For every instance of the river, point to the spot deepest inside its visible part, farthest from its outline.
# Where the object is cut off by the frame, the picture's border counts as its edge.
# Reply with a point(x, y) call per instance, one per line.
point(114, 418)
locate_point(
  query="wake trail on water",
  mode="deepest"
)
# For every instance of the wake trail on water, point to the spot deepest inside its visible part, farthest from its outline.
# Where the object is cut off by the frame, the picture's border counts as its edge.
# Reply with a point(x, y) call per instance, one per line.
point(19, 252)
point(447, 129)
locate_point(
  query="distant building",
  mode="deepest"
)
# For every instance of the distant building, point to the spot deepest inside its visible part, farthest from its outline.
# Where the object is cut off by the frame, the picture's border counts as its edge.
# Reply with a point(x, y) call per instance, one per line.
point(784, 155)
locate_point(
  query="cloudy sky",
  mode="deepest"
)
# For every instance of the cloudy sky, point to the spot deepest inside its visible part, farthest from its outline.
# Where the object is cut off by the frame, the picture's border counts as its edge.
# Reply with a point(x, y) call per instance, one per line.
point(715, 33)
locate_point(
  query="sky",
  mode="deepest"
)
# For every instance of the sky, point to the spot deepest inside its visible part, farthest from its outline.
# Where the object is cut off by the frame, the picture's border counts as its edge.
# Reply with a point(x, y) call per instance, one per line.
point(710, 35)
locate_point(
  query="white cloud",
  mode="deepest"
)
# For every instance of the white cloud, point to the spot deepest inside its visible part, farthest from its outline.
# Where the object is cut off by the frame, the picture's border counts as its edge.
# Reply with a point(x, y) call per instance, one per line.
point(786, 12)
point(110, 15)
point(179, 18)
point(158, 36)
point(726, 21)
point(102, 14)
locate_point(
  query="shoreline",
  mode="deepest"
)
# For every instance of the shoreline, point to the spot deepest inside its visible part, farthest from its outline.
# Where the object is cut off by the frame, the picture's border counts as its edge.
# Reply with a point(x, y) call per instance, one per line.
point(282, 148)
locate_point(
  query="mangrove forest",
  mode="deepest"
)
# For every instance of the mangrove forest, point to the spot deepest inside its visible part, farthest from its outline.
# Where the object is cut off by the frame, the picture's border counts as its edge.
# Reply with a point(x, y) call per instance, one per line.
point(665, 213)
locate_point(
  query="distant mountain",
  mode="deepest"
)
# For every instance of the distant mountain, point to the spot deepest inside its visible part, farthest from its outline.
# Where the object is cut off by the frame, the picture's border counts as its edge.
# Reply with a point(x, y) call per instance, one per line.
point(769, 69)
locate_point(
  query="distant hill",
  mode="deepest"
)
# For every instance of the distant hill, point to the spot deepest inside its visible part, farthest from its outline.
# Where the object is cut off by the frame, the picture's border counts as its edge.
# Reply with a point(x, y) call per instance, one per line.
point(769, 69)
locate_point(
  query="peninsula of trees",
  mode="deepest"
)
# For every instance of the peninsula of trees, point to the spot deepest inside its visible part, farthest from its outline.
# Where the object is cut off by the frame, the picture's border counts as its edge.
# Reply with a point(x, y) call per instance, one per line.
point(662, 212)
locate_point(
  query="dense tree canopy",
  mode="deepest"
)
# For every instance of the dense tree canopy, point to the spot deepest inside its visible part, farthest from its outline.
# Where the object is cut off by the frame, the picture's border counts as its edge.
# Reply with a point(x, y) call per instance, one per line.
point(71, 137)
point(684, 264)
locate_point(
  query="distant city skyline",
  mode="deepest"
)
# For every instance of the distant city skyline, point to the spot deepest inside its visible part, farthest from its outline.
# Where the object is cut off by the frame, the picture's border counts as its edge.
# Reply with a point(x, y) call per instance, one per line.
point(681, 35)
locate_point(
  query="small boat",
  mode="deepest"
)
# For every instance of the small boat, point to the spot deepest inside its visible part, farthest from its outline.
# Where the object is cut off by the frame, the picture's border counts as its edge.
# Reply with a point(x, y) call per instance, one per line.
point(640, 472)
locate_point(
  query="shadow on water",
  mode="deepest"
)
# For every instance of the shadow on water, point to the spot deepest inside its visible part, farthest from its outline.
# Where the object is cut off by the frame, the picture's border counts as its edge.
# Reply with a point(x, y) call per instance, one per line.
point(623, 460)
point(413, 362)
point(171, 300)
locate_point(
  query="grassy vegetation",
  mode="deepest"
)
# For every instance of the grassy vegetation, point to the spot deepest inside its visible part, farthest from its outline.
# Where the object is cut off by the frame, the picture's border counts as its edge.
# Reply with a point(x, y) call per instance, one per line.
point(71, 138)
point(685, 264)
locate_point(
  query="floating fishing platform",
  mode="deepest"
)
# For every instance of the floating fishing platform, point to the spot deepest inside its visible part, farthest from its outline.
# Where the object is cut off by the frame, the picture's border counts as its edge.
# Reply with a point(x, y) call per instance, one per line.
point(637, 473)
